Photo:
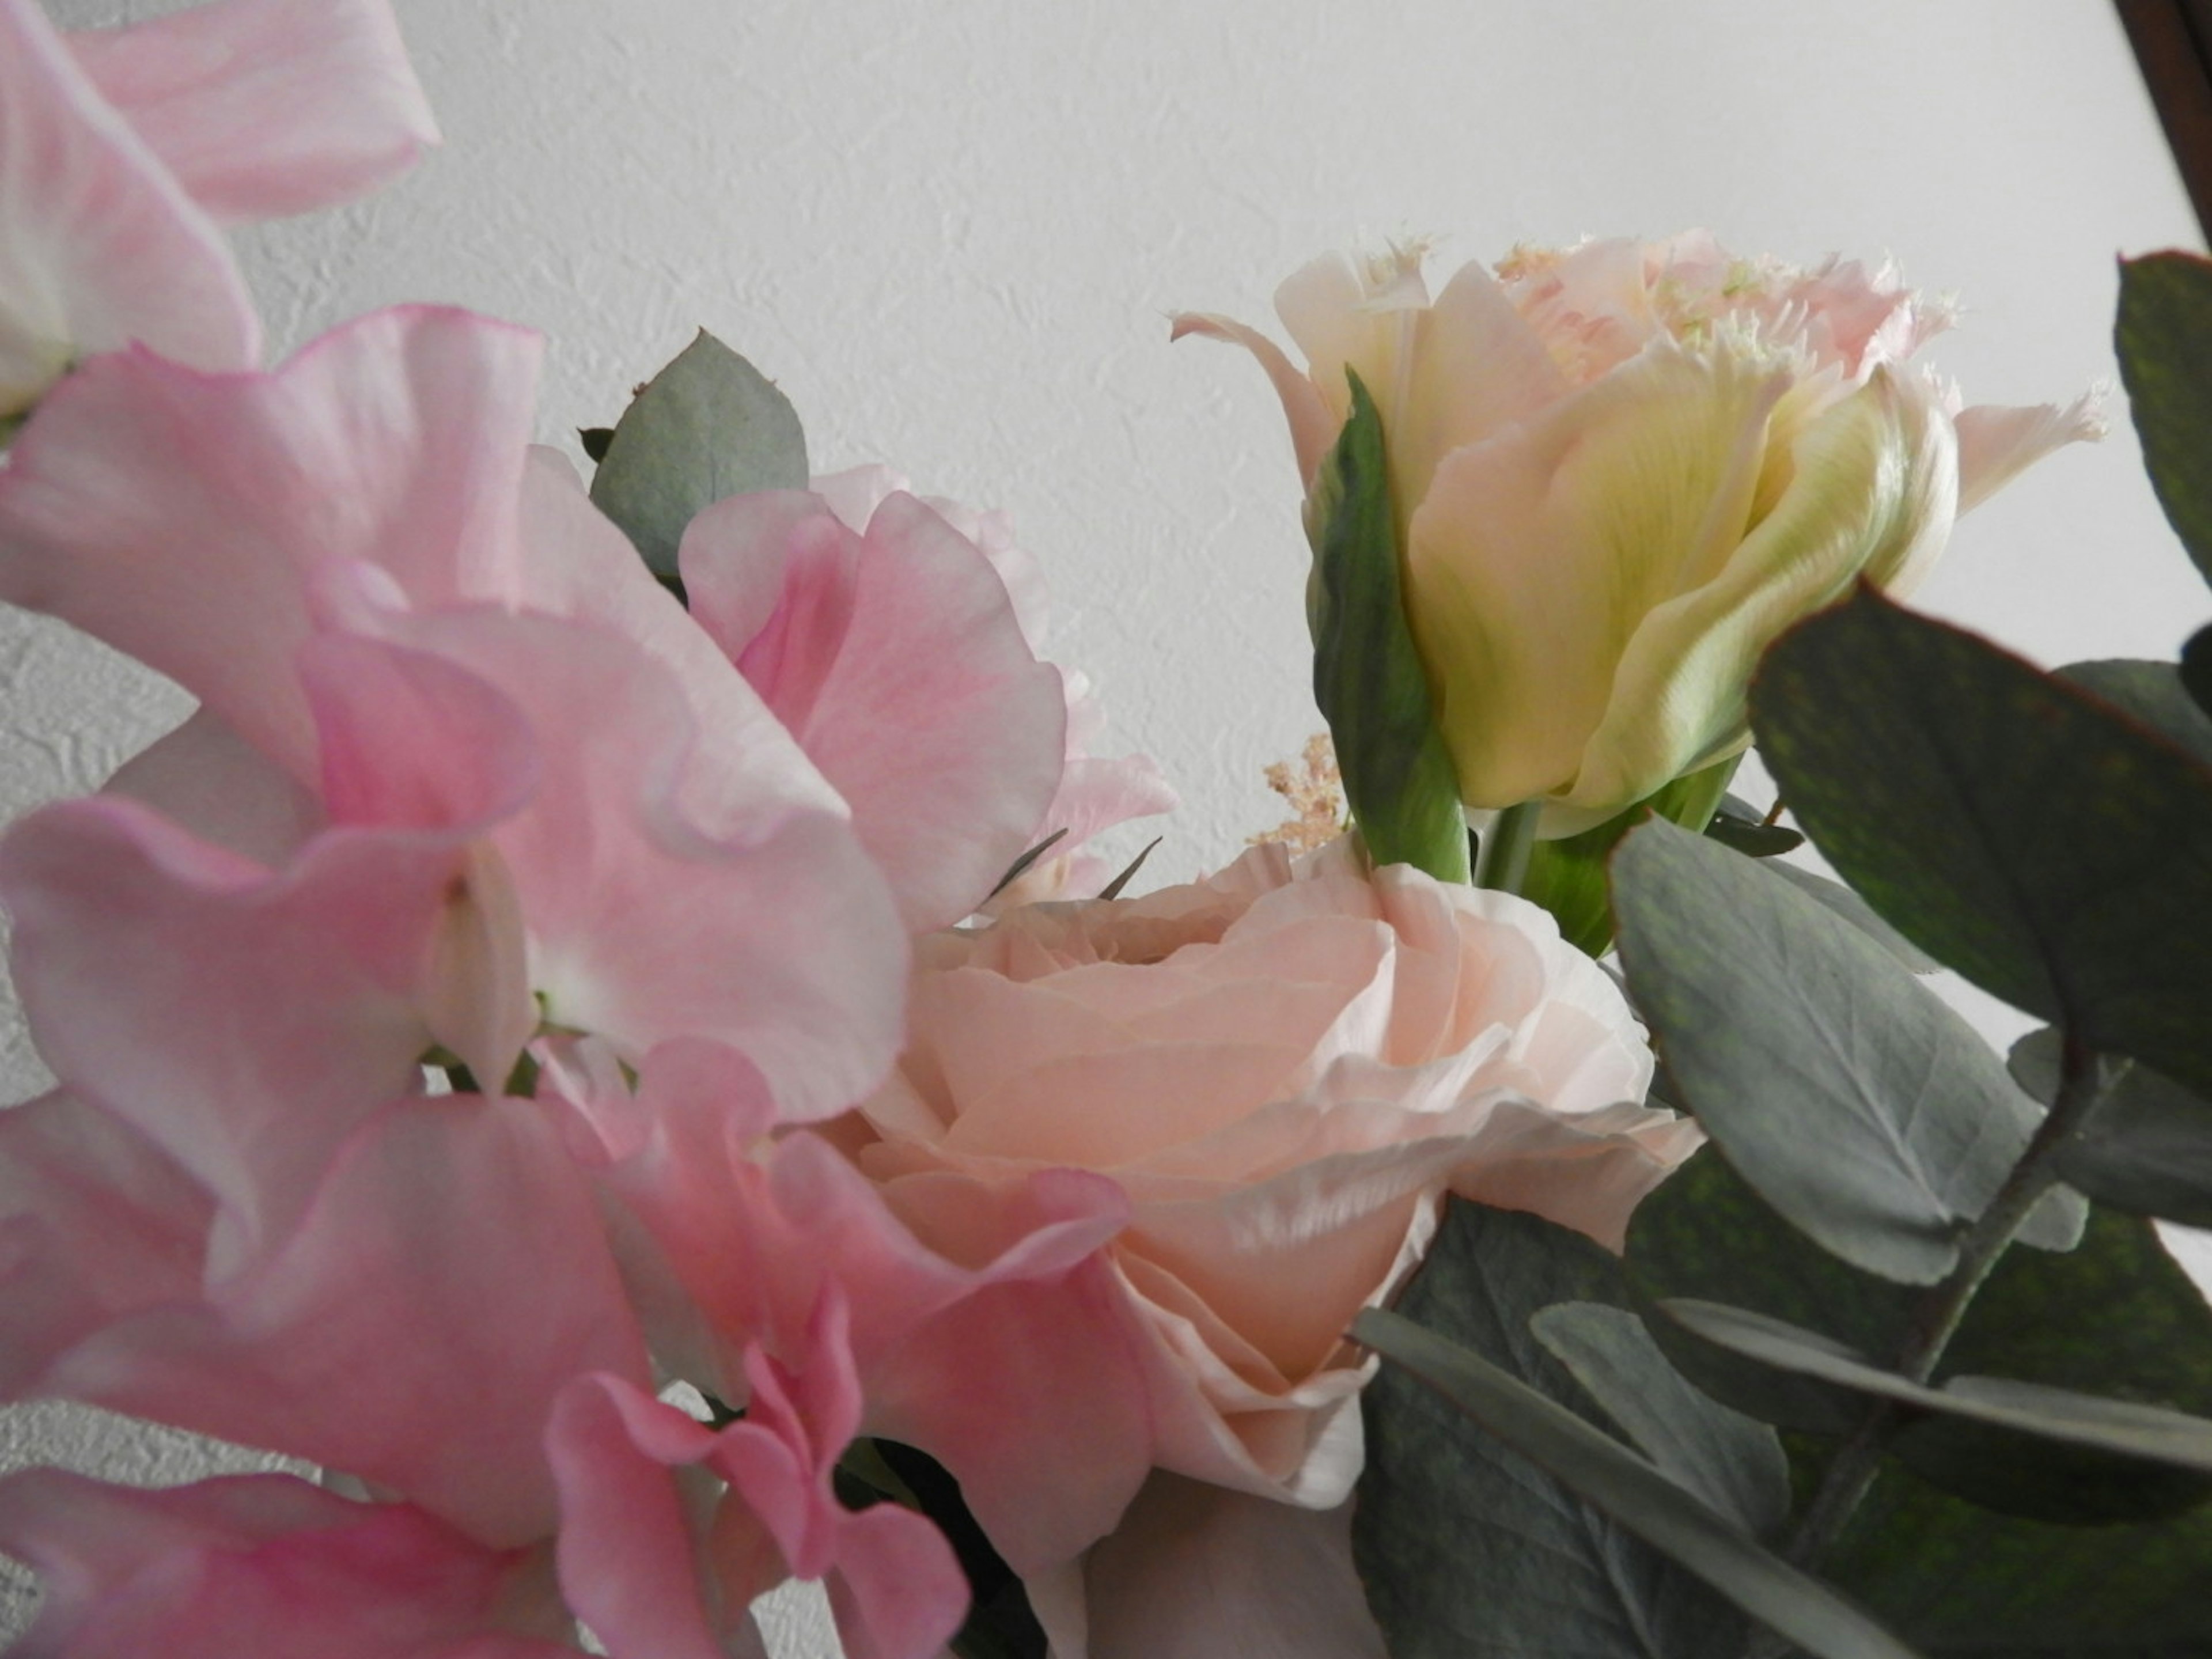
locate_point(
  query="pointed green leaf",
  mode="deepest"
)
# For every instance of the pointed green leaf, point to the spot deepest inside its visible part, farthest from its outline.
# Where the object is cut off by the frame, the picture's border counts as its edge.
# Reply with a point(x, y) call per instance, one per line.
point(2164, 339)
point(2113, 1316)
point(708, 427)
point(1856, 1101)
point(2054, 852)
point(1398, 777)
point(1601, 1470)
point(1733, 1463)
point(2154, 1433)
point(1463, 1544)
point(1020, 866)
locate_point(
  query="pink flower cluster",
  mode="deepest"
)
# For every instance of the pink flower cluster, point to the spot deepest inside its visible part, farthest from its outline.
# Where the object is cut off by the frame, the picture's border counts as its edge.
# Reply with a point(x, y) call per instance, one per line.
point(1078, 1203)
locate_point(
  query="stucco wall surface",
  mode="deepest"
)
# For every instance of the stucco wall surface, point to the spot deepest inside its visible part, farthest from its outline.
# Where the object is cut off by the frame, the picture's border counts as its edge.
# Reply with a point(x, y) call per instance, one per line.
point(953, 234)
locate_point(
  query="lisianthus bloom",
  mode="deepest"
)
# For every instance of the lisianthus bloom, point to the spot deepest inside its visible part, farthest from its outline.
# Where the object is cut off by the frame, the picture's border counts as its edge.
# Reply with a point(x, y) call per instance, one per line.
point(125, 151)
point(1621, 471)
point(1284, 1068)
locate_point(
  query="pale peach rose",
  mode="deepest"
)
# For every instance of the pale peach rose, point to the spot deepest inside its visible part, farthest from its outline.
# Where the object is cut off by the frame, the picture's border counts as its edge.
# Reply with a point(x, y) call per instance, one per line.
point(1285, 1066)
point(1621, 471)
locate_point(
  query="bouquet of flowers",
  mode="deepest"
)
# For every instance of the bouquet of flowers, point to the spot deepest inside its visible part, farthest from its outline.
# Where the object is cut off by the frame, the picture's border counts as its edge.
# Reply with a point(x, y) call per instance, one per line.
point(606, 1036)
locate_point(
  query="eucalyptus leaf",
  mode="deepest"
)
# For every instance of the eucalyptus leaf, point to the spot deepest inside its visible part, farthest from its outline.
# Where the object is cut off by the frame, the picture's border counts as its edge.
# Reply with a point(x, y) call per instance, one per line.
point(2114, 1316)
point(1602, 1471)
point(1857, 1103)
point(2154, 1433)
point(2164, 340)
point(1368, 680)
point(2154, 694)
point(1960, 1580)
point(2051, 850)
point(1463, 1544)
point(2148, 1148)
point(708, 427)
point(1857, 912)
point(1731, 1462)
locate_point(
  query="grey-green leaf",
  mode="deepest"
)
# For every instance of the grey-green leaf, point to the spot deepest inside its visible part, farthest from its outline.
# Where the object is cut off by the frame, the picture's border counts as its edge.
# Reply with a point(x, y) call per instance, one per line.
point(1859, 1104)
point(1857, 912)
point(708, 427)
point(2163, 336)
point(2147, 1148)
point(1734, 1464)
point(1608, 1475)
point(2122, 1427)
point(2154, 694)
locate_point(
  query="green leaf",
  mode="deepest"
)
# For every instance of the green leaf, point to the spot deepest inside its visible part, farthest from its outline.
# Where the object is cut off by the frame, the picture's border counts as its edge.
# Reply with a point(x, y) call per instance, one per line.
point(1464, 1545)
point(1959, 1580)
point(1734, 1464)
point(2153, 1433)
point(2164, 339)
point(2147, 1148)
point(1112, 889)
point(1857, 912)
point(2052, 851)
point(2113, 1316)
point(2152, 693)
point(708, 427)
point(1606, 1474)
point(1568, 876)
point(595, 439)
point(1742, 828)
point(1856, 1101)
point(1398, 777)
point(1020, 866)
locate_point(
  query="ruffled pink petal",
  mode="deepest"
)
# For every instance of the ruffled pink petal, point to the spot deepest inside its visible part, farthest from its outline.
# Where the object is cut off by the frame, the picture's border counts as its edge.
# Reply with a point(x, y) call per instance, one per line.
point(1196, 1571)
point(448, 1278)
point(101, 246)
point(773, 933)
point(261, 108)
point(95, 1223)
point(245, 1021)
point(205, 778)
point(1314, 421)
point(1996, 445)
point(395, 442)
point(265, 1564)
point(896, 660)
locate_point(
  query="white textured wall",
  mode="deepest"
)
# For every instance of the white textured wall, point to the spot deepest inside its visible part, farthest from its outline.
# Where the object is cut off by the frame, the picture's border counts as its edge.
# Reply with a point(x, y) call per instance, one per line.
point(952, 231)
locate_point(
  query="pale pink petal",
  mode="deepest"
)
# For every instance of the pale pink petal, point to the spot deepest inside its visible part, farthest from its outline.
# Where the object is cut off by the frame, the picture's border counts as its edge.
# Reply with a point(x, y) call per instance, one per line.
point(261, 108)
point(896, 660)
point(100, 246)
point(95, 1223)
point(205, 778)
point(1996, 445)
point(1477, 369)
point(448, 1279)
point(1313, 421)
point(1196, 1571)
point(775, 934)
point(265, 1564)
point(246, 1021)
point(395, 442)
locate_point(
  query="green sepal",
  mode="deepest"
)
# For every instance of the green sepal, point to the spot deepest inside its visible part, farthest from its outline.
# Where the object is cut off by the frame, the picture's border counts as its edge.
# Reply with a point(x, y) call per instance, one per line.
point(1568, 876)
point(1398, 777)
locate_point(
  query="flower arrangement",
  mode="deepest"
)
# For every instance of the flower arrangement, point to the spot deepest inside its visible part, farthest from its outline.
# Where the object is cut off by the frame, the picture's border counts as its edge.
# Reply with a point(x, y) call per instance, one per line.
point(606, 1032)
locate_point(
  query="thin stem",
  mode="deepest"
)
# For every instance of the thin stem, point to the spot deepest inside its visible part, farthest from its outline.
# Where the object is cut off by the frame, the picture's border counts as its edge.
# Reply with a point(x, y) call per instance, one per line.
point(1503, 862)
point(2083, 1083)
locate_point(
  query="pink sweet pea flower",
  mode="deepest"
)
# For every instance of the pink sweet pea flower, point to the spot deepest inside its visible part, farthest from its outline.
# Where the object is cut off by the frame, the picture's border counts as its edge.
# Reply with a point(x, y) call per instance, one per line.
point(1094, 794)
point(123, 151)
point(266, 1564)
point(895, 1587)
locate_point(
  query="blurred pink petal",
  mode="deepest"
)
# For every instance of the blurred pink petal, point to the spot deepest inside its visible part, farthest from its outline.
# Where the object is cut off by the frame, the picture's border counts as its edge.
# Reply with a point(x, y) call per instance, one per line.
point(265, 1564)
point(896, 660)
point(99, 245)
point(396, 443)
point(895, 1587)
point(446, 1280)
point(261, 108)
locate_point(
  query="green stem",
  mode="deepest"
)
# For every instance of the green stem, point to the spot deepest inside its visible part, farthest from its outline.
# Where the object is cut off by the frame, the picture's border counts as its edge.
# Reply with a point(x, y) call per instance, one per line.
point(1503, 862)
point(2083, 1082)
